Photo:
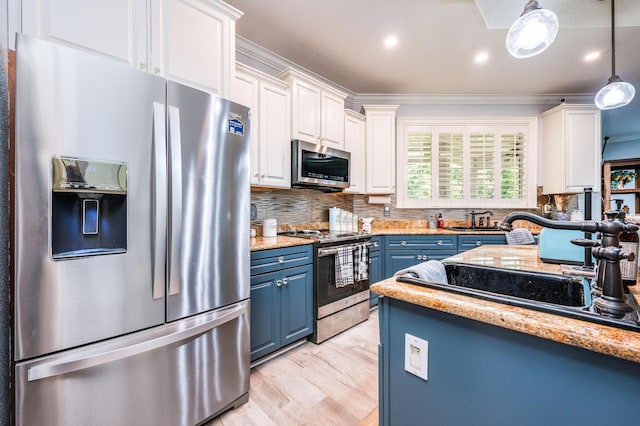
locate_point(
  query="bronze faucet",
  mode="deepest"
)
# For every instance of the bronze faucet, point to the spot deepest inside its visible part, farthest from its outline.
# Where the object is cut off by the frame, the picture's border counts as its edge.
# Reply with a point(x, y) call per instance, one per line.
point(607, 251)
point(474, 214)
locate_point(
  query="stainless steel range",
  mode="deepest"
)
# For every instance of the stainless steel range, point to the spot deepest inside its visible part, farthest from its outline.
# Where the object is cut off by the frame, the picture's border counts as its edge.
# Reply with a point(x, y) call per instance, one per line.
point(341, 280)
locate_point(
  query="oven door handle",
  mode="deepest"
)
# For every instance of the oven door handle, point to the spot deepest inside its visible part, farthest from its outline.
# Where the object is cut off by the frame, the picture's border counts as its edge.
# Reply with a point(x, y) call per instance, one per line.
point(332, 251)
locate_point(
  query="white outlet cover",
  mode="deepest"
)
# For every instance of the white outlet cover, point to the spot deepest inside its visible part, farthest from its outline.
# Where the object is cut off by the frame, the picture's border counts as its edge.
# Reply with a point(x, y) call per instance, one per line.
point(416, 356)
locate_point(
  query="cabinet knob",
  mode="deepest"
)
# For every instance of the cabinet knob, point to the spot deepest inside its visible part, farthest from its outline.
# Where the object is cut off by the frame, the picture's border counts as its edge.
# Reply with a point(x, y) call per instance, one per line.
point(439, 242)
point(375, 244)
point(403, 243)
point(281, 259)
point(156, 70)
point(279, 283)
point(256, 175)
point(263, 176)
point(143, 66)
point(419, 257)
point(285, 281)
point(478, 243)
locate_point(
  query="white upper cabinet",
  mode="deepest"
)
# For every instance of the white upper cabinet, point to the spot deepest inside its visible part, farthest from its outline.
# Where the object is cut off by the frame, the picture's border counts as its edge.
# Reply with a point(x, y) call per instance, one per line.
point(189, 41)
point(570, 149)
point(380, 148)
point(268, 99)
point(354, 142)
point(317, 110)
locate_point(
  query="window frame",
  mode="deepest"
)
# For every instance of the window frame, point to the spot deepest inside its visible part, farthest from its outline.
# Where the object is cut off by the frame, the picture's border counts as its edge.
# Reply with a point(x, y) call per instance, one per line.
point(466, 125)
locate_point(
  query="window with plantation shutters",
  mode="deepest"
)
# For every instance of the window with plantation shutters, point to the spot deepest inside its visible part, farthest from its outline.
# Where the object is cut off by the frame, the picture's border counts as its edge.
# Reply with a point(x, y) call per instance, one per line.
point(467, 163)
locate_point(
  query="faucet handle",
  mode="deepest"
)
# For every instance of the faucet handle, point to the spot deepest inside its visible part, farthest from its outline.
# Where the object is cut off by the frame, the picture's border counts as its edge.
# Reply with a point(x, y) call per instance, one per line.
point(583, 242)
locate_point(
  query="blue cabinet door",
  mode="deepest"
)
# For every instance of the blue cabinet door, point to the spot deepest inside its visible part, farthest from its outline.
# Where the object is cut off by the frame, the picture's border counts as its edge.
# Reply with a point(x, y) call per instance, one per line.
point(265, 318)
point(401, 259)
point(296, 303)
point(375, 273)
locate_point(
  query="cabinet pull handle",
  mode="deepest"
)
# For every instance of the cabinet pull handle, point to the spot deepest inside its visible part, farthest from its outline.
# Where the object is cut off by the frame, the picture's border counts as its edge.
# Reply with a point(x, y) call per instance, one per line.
point(281, 259)
point(403, 243)
point(439, 242)
point(278, 283)
point(375, 244)
point(285, 281)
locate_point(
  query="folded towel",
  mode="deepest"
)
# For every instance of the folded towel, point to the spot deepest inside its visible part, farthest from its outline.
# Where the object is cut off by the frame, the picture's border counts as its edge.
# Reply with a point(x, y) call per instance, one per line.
point(360, 263)
point(431, 270)
point(519, 236)
point(344, 266)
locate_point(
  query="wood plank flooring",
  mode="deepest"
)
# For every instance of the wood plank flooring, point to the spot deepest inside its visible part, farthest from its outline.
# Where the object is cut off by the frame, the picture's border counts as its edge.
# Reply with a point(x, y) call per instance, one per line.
point(334, 383)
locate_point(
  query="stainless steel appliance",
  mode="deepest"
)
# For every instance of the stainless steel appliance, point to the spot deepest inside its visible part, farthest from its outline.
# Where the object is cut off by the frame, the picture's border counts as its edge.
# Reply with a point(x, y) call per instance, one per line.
point(131, 241)
point(336, 308)
point(320, 167)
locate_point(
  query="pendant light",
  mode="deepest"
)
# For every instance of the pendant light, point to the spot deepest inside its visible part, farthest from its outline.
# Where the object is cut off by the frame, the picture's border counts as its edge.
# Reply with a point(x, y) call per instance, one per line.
point(533, 31)
point(616, 93)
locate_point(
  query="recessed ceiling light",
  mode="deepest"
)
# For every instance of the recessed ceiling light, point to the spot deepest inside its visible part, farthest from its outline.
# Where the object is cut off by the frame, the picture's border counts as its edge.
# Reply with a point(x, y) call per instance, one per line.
point(391, 41)
point(481, 57)
point(591, 56)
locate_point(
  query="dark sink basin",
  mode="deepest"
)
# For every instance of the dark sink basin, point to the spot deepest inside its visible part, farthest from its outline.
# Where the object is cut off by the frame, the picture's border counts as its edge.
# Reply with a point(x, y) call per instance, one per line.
point(559, 294)
point(548, 288)
point(471, 230)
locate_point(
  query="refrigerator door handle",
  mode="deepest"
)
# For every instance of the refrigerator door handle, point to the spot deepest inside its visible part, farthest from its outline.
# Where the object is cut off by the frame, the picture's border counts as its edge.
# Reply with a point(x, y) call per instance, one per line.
point(175, 153)
point(72, 364)
point(159, 203)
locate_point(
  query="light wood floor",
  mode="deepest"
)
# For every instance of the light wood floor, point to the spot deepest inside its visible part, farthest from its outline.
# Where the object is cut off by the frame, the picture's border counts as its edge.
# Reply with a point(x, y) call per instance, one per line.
point(334, 383)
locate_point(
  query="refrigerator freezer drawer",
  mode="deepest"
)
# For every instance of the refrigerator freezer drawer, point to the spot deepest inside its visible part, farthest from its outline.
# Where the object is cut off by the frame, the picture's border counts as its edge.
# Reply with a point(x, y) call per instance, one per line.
point(176, 374)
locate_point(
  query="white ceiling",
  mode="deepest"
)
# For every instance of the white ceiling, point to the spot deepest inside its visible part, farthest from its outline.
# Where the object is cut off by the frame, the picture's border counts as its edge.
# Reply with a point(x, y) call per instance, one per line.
point(342, 40)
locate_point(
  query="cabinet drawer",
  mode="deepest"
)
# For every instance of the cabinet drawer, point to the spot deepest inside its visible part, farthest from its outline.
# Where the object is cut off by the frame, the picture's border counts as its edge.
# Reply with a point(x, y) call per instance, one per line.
point(467, 242)
point(421, 242)
point(276, 259)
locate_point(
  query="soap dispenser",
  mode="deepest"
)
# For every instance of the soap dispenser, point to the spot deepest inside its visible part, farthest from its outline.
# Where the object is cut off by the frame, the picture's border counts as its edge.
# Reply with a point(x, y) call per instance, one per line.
point(440, 221)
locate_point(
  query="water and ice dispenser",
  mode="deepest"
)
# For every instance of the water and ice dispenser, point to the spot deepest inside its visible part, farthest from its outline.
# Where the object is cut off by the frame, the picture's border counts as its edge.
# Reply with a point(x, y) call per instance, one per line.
point(88, 208)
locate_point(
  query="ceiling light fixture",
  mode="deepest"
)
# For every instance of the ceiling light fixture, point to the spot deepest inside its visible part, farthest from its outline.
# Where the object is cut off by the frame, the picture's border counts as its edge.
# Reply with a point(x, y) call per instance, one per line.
point(391, 41)
point(592, 56)
point(616, 93)
point(533, 31)
point(481, 57)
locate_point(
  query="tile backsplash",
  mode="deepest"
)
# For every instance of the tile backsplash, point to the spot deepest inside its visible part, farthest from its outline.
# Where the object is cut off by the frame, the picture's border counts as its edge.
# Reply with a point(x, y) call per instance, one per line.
point(298, 206)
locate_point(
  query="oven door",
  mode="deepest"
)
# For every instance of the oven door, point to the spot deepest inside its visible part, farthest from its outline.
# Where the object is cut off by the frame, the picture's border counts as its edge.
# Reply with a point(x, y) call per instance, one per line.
point(325, 276)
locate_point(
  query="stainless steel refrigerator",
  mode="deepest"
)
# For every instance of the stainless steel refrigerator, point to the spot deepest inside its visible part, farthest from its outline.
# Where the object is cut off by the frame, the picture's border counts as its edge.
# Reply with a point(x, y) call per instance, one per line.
point(131, 245)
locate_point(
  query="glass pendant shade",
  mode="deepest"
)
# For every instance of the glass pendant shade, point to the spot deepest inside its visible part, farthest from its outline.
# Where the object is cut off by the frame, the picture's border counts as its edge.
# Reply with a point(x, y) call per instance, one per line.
point(532, 32)
point(615, 94)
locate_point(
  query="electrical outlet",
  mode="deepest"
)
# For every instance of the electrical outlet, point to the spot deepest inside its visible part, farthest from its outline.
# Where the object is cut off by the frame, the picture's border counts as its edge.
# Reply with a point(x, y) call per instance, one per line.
point(416, 359)
point(386, 210)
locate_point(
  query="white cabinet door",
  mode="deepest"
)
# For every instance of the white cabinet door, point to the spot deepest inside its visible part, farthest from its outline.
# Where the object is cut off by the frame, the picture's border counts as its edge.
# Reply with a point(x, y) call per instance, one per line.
point(246, 89)
point(570, 149)
point(268, 99)
point(275, 136)
point(305, 111)
point(196, 45)
point(332, 121)
point(116, 28)
point(190, 41)
point(354, 142)
point(380, 148)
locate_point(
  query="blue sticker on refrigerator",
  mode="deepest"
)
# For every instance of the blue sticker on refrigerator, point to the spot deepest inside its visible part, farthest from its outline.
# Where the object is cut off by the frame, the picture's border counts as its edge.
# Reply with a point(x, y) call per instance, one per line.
point(235, 127)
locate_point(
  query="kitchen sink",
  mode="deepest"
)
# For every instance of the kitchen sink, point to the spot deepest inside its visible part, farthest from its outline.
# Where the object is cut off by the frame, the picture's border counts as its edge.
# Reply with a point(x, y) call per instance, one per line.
point(470, 229)
point(559, 294)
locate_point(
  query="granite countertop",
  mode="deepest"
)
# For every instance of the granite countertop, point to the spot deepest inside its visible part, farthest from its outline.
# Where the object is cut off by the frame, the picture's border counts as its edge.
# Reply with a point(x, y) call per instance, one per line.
point(266, 243)
point(607, 340)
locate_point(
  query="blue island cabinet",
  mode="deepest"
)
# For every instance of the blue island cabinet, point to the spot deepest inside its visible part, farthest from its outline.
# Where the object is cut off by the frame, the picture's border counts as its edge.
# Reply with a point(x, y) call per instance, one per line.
point(281, 298)
point(480, 374)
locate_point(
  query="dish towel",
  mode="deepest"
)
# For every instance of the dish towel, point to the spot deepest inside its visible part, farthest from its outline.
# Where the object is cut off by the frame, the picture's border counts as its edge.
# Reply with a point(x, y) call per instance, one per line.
point(431, 270)
point(519, 236)
point(360, 263)
point(344, 266)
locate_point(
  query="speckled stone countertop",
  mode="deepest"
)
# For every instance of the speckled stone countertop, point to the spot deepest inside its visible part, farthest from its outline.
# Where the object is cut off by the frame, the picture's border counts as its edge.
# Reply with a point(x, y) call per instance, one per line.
point(266, 243)
point(591, 336)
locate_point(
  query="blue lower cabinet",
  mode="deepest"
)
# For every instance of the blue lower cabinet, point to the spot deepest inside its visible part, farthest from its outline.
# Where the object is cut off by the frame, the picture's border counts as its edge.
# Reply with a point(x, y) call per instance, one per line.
point(281, 302)
point(402, 259)
point(375, 273)
point(468, 242)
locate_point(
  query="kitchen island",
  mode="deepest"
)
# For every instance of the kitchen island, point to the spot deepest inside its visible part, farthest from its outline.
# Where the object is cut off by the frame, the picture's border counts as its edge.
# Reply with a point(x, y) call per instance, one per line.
point(491, 363)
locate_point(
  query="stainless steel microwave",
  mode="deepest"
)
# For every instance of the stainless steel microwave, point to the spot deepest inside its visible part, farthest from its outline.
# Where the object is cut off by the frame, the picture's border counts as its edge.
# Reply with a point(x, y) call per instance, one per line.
point(320, 167)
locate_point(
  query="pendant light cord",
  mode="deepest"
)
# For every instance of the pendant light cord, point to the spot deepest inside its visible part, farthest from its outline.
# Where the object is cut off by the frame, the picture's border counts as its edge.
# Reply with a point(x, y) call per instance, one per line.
point(613, 38)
